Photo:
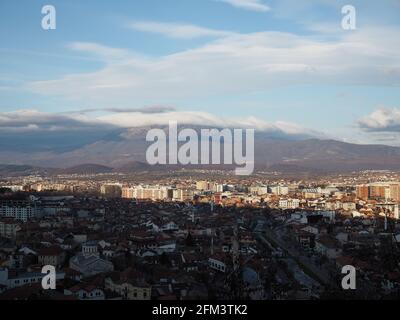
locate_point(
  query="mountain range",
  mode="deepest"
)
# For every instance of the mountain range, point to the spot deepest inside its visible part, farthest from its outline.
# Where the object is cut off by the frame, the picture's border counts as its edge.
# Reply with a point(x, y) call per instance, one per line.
point(123, 150)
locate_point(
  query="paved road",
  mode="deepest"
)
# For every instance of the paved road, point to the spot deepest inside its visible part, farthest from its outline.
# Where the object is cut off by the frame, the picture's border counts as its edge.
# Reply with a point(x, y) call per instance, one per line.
point(319, 274)
point(322, 275)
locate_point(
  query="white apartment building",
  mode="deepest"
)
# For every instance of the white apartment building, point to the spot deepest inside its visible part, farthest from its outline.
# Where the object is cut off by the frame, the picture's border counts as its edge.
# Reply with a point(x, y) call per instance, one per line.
point(279, 190)
point(289, 203)
point(209, 186)
point(19, 210)
point(128, 193)
point(258, 190)
point(337, 205)
point(218, 187)
point(202, 185)
point(312, 193)
point(13, 188)
point(146, 192)
point(183, 195)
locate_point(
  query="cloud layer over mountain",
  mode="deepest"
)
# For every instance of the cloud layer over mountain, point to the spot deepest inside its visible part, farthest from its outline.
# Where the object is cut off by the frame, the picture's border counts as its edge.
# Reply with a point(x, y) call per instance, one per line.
point(34, 121)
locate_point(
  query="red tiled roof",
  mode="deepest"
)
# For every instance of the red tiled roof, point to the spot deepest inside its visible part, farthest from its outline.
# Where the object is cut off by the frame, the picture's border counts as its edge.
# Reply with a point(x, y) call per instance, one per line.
point(51, 251)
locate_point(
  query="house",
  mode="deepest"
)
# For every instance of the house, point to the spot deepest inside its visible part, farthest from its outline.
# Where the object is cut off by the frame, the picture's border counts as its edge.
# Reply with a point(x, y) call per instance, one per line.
point(166, 247)
point(13, 279)
point(343, 260)
point(311, 229)
point(86, 292)
point(130, 284)
point(33, 291)
point(306, 239)
point(328, 247)
point(217, 262)
point(170, 226)
point(9, 228)
point(16, 261)
point(27, 251)
point(53, 256)
point(190, 262)
point(72, 274)
point(342, 237)
point(88, 262)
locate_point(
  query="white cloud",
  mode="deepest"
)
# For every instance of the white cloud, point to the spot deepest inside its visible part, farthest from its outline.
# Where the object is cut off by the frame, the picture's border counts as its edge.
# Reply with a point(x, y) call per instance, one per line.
point(34, 120)
point(98, 50)
point(237, 64)
point(176, 30)
point(133, 120)
point(254, 5)
point(381, 120)
point(148, 110)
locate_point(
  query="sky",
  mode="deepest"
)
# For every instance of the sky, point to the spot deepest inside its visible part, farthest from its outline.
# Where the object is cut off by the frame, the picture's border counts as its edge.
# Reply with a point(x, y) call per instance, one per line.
point(283, 65)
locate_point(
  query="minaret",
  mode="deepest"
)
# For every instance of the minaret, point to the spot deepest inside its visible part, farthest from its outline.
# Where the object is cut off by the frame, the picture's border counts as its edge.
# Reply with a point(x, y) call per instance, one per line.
point(235, 249)
point(385, 221)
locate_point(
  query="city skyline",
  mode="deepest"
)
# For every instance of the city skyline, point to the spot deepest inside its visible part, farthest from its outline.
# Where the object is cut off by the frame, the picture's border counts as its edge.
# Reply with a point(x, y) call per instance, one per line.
point(230, 151)
point(184, 237)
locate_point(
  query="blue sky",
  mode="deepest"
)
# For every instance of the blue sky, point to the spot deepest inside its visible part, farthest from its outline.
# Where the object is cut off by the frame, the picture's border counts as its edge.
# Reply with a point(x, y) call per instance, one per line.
point(269, 64)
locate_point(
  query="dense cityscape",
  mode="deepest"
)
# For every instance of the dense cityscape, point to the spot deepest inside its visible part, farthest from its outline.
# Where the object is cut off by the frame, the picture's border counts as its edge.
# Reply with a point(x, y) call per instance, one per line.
point(195, 159)
point(148, 236)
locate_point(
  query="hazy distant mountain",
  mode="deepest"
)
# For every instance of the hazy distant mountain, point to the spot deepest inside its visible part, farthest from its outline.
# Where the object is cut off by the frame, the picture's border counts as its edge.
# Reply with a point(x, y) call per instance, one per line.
point(133, 166)
point(327, 155)
point(85, 169)
point(22, 170)
point(124, 151)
